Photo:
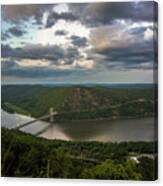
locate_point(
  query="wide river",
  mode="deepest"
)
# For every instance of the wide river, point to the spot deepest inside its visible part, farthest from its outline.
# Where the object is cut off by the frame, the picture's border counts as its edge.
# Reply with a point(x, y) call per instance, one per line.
point(141, 129)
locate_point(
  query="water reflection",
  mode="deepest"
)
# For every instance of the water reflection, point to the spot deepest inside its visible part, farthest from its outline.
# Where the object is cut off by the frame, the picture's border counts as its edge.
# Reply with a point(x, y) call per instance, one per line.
point(141, 129)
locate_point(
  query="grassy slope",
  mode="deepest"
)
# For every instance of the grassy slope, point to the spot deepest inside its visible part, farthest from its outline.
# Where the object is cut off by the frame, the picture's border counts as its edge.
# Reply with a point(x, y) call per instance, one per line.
point(82, 102)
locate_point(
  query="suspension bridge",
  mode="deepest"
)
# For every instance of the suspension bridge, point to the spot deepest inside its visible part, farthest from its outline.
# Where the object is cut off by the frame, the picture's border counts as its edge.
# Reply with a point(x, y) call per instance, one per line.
point(51, 115)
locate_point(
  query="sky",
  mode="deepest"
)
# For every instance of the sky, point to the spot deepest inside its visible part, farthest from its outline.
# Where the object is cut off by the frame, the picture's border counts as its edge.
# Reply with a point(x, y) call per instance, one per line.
point(110, 42)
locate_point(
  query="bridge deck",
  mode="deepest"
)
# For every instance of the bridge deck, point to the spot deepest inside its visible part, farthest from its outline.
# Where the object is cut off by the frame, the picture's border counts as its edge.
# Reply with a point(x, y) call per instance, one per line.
point(33, 121)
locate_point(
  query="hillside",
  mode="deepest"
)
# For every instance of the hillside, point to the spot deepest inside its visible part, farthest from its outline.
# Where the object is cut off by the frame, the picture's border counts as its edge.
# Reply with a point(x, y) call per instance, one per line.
point(78, 102)
point(24, 155)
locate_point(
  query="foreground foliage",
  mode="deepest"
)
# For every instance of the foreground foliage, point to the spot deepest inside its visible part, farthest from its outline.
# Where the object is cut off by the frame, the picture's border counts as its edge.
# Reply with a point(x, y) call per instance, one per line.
point(24, 155)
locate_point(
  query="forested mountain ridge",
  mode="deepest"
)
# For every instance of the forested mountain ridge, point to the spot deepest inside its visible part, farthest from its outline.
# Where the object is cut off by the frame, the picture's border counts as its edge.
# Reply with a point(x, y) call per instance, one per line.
point(78, 102)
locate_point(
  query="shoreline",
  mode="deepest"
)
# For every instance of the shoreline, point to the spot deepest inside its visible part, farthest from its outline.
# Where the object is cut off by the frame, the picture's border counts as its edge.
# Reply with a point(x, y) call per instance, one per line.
point(107, 118)
point(75, 141)
point(113, 118)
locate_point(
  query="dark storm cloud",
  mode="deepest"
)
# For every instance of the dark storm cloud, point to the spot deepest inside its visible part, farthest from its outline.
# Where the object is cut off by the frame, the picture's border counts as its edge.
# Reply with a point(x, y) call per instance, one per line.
point(72, 52)
point(5, 36)
point(11, 68)
point(92, 14)
point(33, 52)
point(132, 57)
point(9, 64)
point(49, 52)
point(79, 41)
point(95, 14)
point(53, 53)
point(133, 66)
point(61, 32)
point(16, 31)
point(68, 56)
point(54, 17)
point(139, 30)
point(19, 13)
point(7, 51)
point(20, 71)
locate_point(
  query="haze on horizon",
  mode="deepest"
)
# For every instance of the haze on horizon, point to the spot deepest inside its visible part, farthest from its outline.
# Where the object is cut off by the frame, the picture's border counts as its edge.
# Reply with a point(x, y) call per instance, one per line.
point(78, 43)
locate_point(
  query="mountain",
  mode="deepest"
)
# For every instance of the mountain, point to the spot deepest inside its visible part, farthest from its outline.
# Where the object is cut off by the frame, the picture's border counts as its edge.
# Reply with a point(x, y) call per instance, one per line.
point(78, 102)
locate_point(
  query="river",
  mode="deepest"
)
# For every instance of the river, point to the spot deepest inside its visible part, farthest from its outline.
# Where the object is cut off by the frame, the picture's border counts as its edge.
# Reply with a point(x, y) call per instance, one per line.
point(139, 129)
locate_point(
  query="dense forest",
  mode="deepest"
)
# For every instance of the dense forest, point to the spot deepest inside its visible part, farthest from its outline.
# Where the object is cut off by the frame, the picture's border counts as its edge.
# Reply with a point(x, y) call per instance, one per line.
point(24, 155)
point(78, 102)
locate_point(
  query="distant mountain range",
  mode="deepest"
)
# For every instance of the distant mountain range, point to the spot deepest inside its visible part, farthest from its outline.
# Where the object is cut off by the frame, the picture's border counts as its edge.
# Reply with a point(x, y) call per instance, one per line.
point(106, 85)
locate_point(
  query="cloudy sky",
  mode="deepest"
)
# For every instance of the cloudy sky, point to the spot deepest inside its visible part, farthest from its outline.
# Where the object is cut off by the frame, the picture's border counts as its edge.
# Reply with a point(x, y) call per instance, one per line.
point(78, 43)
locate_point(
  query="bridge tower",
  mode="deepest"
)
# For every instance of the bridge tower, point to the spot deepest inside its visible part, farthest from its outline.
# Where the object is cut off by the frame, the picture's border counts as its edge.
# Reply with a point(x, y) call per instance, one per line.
point(17, 120)
point(51, 113)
